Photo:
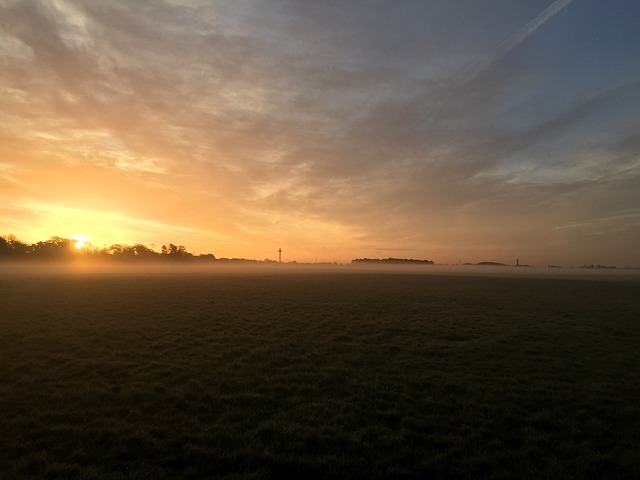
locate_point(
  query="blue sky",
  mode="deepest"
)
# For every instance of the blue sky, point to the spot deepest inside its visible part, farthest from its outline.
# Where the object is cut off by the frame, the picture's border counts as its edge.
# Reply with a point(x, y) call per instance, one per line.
point(444, 130)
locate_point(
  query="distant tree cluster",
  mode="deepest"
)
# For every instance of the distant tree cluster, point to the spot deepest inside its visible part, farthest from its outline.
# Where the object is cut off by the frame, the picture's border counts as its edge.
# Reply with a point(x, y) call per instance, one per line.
point(393, 261)
point(59, 248)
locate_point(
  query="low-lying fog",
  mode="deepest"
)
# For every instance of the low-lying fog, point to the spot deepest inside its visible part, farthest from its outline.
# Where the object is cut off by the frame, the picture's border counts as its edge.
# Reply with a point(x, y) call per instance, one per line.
point(142, 269)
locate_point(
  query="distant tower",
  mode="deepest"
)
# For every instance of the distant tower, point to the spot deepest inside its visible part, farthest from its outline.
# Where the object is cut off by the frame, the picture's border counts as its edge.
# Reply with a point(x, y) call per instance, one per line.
point(280, 255)
point(517, 262)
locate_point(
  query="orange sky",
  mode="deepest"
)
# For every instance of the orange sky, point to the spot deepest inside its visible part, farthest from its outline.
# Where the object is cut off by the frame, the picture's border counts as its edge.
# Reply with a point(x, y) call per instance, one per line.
point(334, 132)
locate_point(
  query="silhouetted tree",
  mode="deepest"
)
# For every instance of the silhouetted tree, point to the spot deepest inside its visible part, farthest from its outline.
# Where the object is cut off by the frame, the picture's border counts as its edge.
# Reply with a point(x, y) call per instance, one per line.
point(11, 247)
point(54, 248)
point(131, 252)
point(115, 249)
point(59, 248)
point(5, 250)
point(175, 252)
point(142, 251)
point(405, 261)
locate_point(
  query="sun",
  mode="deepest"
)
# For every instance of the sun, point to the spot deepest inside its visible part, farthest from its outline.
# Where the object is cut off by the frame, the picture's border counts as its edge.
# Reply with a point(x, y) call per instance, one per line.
point(80, 241)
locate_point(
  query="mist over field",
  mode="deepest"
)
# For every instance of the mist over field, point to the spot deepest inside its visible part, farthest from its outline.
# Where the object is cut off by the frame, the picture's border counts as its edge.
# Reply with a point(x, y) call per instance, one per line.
point(82, 266)
point(287, 371)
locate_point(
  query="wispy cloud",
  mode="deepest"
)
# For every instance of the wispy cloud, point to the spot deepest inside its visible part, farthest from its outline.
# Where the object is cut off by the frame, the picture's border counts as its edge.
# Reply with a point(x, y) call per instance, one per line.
point(416, 125)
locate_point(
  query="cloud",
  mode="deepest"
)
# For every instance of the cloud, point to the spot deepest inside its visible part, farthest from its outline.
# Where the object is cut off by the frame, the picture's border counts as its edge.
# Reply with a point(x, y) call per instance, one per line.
point(373, 124)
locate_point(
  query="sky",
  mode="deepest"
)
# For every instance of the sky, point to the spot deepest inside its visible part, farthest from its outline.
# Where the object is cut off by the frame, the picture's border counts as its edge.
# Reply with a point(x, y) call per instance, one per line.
point(453, 131)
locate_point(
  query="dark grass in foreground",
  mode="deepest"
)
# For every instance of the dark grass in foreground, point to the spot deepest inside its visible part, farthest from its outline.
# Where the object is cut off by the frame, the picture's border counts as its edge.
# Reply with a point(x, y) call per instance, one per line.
point(318, 376)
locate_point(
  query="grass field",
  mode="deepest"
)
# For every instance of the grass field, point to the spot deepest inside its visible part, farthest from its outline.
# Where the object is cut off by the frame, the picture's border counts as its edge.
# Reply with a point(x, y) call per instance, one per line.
point(327, 375)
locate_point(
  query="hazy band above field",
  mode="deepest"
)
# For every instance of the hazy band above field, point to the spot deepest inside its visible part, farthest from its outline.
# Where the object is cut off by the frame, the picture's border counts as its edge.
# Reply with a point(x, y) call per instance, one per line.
point(92, 268)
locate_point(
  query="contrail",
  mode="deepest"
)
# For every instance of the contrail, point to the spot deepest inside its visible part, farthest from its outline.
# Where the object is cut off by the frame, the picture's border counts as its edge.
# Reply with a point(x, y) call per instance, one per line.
point(503, 49)
point(517, 38)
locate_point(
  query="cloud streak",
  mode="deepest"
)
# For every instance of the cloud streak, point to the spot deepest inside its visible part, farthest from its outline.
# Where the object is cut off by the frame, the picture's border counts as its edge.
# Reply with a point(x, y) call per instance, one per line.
point(515, 40)
point(505, 47)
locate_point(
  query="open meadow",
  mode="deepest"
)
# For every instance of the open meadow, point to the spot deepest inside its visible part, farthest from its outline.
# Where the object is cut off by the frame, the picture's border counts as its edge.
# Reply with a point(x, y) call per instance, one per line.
point(332, 374)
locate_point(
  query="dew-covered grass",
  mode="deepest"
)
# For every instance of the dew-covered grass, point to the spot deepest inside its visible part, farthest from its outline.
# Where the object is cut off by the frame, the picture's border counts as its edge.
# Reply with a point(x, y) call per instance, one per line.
point(318, 375)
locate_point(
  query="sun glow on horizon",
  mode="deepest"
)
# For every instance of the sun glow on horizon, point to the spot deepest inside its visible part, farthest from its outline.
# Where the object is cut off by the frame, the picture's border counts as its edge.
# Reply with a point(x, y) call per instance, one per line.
point(81, 240)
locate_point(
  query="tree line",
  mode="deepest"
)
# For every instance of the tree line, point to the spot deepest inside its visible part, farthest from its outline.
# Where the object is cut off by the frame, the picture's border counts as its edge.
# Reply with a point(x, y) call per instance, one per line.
point(60, 248)
point(392, 261)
